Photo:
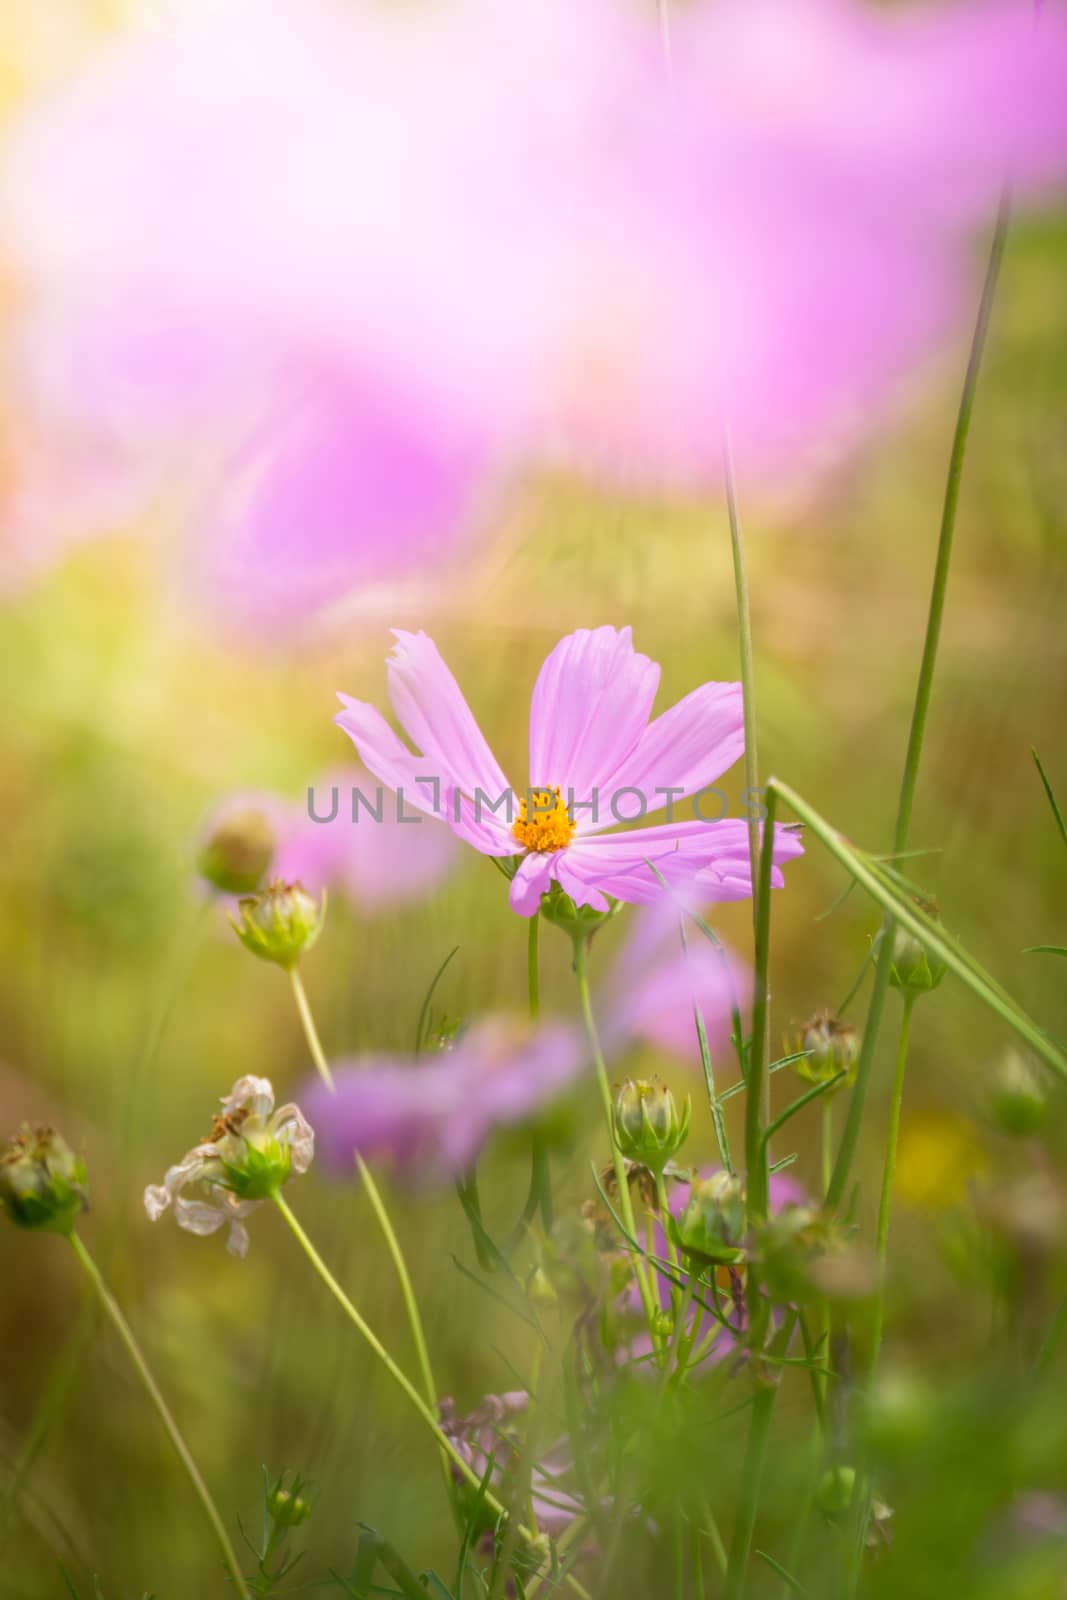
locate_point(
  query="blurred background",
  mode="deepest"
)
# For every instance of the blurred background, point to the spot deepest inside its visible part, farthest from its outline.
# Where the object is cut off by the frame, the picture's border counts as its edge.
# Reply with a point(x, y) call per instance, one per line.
point(127, 1007)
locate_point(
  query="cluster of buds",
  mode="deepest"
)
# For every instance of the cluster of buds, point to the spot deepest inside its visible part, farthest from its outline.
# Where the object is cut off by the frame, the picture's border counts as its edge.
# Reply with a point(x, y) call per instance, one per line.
point(281, 924)
point(649, 1128)
point(43, 1184)
point(830, 1046)
point(236, 855)
point(711, 1229)
point(249, 1154)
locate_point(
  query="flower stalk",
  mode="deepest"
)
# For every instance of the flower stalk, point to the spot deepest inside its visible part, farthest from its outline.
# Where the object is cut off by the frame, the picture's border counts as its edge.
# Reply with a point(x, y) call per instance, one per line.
point(133, 1350)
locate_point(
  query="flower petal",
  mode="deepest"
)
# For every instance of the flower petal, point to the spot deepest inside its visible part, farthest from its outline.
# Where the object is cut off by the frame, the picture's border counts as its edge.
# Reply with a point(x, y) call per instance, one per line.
point(684, 750)
point(591, 703)
point(533, 877)
point(437, 719)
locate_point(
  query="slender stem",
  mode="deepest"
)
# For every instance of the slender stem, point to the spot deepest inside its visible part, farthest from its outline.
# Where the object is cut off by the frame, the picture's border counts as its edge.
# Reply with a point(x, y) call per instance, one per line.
point(532, 972)
point(748, 675)
point(318, 1054)
point(133, 1350)
point(378, 1206)
point(621, 1178)
point(672, 1254)
point(827, 1141)
point(383, 1355)
point(541, 1170)
point(714, 1106)
point(888, 1173)
point(465, 1470)
point(756, 1151)
point(400, 1266)
point(924, 688)
point(752, 1475)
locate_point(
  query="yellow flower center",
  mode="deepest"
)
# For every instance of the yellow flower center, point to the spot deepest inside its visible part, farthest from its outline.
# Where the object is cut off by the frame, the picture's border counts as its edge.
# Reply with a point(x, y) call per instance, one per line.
point(545, 825)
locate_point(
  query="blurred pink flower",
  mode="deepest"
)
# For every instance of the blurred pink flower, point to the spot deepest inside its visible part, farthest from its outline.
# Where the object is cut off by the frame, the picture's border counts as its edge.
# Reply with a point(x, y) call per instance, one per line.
point(592, 746)
point(345, 838)
point(655, 984)
point(429, 1118)
point(338, 285)
point(493, 1431)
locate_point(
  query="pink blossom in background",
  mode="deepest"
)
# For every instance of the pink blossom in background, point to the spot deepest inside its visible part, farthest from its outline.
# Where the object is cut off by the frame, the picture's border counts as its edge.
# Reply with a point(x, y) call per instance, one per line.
point(653, 985)
point(430, 1118)
point(592, 739)
point(335, 288)
point(372, 864)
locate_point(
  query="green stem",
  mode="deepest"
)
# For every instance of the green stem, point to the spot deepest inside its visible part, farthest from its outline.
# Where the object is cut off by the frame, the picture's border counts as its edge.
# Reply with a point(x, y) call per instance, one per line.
point(399, 1378)
point(888, 1174)
point(133, 1350)
point(748, 674)
point(318, 1054)
point(752, 1476)
point(756, 1149)
point(924, 687)
point(541, 1170)
point(378, 1206)
point(621, 1178)
point(407, 1290)
point(827, 1142)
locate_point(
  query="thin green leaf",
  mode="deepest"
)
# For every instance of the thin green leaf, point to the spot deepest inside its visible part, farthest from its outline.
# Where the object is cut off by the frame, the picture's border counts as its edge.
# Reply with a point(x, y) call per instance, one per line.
point(1056, 812)
point(786, 1577)
point(932, 936)
point(428, 1000)
point(1045, 950)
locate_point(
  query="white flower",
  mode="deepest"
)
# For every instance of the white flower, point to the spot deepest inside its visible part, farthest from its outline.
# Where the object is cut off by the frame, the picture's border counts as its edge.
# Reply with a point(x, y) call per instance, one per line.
point(249, 1154)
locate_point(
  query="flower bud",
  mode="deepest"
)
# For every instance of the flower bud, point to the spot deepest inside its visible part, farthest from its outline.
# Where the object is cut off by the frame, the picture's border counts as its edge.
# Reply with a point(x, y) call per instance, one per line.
point(832, 1047)
point(1019, 1097)
point(577, 922)
point(281, 923)
point(712, 1226)
point(648, 1125)
point(914, 969)
point(237, 853)
point(42, 1182)
point(804, 1254)
point(287, 1508)
point(834, 1492)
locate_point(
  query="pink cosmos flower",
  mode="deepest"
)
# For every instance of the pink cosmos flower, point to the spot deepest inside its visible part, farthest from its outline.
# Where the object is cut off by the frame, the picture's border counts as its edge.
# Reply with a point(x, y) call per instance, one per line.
point(336, 287)
point(597, 757)
point(429, 1118)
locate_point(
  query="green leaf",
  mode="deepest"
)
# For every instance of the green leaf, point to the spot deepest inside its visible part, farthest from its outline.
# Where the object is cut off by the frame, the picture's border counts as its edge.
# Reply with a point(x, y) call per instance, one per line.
point(931, 934)
point(1056, 812)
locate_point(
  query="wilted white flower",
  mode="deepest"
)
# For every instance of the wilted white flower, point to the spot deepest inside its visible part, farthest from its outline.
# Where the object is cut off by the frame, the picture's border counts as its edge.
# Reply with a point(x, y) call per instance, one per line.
point(249, 1154)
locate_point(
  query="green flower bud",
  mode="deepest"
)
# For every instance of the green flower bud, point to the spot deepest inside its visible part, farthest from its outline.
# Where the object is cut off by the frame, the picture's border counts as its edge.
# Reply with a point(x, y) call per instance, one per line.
point(281, 923)
point(712, 1226)
point(914, 969)
point(648, 1125)
point(834, 1493)
point(43, 1184)
point(832, 1047)
point(663, 1324)
point(287, 1508)
point(577, 922)
point(1019, 1096)
point(262, 1166)
point(237, 853)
